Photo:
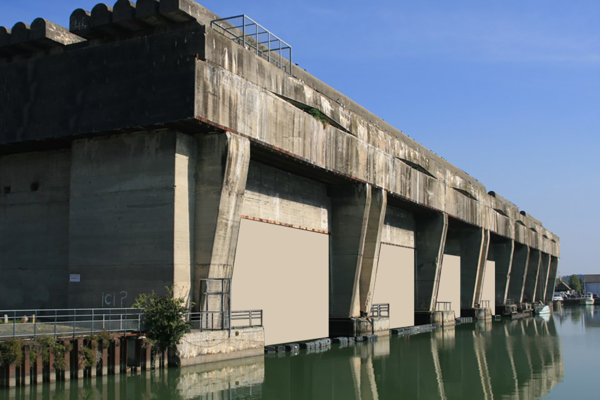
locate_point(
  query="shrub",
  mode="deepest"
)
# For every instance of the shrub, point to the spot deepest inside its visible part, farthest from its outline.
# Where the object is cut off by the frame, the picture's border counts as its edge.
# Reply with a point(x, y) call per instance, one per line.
point(163, 318)
point(11, 351)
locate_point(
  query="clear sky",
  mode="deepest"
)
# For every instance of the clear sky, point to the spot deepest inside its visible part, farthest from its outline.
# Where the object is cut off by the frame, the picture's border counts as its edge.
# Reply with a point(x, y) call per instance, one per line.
point(507, 90)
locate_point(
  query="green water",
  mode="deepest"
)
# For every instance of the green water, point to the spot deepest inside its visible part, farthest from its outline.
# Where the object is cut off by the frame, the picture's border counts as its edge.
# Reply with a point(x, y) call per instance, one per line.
point(527, 359)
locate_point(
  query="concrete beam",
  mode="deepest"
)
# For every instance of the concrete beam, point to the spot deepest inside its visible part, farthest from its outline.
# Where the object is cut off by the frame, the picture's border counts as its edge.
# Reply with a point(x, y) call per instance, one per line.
point(431, 232)
point(503, 257)
point(551, 279)
point(533, 270)
point(474, 246)
point(544, 274)
point(518, 272)
point(221, 174)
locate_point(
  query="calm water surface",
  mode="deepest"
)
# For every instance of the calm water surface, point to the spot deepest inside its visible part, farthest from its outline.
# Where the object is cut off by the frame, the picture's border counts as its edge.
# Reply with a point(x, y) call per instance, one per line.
point(528, 359)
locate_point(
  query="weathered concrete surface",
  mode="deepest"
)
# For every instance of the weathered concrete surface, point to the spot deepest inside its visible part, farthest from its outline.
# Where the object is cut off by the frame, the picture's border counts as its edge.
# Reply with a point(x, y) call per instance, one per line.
point(518, 273)
point(357, 217)
point(430, 235)
point(121, 218)
point(502, 251)
point(544, 274)
point(551, 279)
point(222, 171)
point(474, 245)
point(34, 229)
point(531, 279)
point(209, 346)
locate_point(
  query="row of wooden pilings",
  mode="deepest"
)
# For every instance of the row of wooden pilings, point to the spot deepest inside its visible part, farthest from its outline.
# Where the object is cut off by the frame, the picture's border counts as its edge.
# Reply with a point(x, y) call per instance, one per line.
point(79, 358)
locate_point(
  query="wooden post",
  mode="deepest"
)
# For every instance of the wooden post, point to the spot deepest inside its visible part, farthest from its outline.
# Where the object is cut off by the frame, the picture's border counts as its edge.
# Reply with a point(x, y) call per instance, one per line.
point(76, 370)
point(51, 377)
point(103, 367)
point(26, 368)
point(38, 375)
point(123, 364)
point(66, 373)
point(93, 345)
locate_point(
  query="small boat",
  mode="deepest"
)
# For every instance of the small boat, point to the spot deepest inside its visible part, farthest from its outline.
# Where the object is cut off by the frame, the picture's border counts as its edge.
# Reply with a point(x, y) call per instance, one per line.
point(587, 299)
point(541, 309)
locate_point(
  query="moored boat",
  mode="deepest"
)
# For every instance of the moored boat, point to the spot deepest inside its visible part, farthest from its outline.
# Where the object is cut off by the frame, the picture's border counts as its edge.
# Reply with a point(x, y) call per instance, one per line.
point(541, 309)
point(587, 299)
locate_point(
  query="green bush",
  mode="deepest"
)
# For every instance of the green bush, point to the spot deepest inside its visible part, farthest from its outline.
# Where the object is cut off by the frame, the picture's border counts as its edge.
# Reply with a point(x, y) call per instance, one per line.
point(163, 318)
point(11, 351)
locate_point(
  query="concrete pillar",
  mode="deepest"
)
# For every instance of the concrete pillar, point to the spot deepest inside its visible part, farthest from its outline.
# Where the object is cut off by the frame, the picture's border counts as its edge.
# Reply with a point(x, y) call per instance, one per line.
point(542, 282)
point(431, 231)
point(503, 251)
point(221, 174)
point(474, 246)
point(531, 277)
point(357, 215)
point(518, 273)
point(551, 278)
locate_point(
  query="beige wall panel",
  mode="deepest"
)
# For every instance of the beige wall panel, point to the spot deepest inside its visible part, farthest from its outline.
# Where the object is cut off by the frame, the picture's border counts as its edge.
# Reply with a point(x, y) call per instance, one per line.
point(450, 282)
point(279, 196)
point(284, 272)
point(395, 284)
point(489, 285)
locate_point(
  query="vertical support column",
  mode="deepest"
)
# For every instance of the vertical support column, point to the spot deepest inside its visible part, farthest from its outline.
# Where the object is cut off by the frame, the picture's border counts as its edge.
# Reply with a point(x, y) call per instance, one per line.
point(431, 232)
point(531, 278)
point(474, 246)
point(518, 273)
point(543, 277)
point(551, 278)
point(372, 244)
point(221, 174)
point(357, 215)
point(503, 257)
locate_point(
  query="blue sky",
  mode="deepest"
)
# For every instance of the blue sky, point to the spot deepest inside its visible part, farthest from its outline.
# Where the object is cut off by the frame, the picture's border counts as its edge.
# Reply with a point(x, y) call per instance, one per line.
point(507, 90)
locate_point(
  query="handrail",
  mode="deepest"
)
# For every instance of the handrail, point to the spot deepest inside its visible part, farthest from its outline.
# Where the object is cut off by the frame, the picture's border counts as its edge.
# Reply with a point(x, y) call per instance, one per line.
point(380, 310)
point(68, 322)
point(255, 37)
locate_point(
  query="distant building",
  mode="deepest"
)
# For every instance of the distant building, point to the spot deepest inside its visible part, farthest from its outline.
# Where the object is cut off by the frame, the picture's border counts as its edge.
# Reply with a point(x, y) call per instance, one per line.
point(591, 283)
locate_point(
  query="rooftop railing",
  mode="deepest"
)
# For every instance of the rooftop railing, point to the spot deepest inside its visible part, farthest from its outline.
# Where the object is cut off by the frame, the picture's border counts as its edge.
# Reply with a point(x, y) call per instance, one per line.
point(255, 37)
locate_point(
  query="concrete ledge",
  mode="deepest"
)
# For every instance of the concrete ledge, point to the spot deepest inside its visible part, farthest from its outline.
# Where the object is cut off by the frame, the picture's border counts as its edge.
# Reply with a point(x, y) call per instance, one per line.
point(355, 327)
point(478, 313)
point(210, 346)
point(440, 318)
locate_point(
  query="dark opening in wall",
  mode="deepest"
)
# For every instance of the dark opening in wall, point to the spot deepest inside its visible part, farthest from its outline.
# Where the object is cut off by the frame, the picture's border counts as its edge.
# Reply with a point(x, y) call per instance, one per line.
point(6, 189)
point(35, 186)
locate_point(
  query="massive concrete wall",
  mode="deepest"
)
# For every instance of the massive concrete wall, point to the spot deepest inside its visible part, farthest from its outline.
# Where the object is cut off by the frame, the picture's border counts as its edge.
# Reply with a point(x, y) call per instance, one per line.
point(34, 229)
point(121, 218)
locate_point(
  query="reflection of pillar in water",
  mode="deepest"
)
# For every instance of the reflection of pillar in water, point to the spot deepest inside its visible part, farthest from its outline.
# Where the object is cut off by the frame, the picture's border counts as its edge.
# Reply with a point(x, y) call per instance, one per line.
point(363, 376)
point(438, 370)
point(482, 366)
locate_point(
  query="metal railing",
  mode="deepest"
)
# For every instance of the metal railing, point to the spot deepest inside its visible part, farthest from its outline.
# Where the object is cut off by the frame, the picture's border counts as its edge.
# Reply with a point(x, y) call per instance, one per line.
point(380, 310)
point(443, 306)
point(68, 322)
point(484, 304)
point(217, 320)
point(255, 37)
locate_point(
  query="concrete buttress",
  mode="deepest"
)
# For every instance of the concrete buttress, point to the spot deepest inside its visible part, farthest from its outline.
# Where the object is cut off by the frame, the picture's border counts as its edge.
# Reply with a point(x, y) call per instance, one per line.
point(431, 231)
point(518, 273)
point(503, 256)
point(531, 278)
point(221, 174)
point(543, 277)
point(551, 278)
point(474, 246)
point(357, 215)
